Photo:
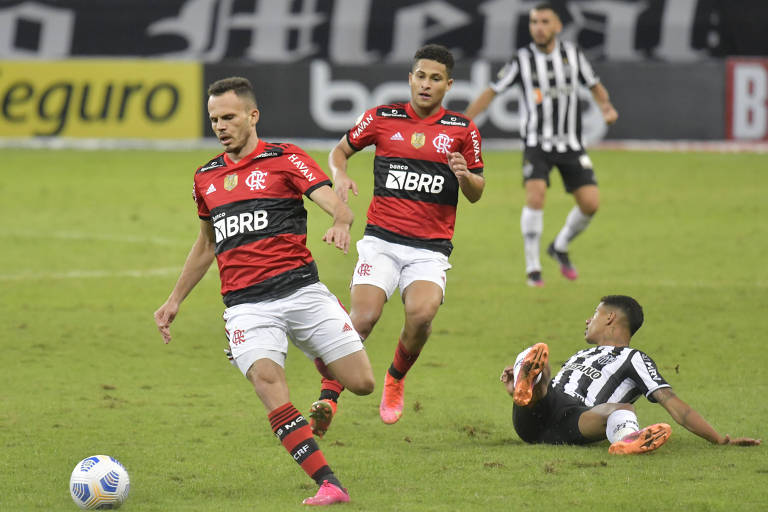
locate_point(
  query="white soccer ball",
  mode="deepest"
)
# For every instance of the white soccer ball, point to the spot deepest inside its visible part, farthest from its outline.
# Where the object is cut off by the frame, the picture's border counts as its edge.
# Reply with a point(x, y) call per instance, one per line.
point(99, 482)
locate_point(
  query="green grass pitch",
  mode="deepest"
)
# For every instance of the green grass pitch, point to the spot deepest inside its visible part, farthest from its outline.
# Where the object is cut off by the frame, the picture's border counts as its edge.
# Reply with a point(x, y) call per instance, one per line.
point(92, 243)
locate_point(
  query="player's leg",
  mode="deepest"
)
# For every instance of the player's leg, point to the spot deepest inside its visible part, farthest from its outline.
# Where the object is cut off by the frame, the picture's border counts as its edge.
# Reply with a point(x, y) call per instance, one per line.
point(421, 299)
point(618, 423)
point(373, 281)
point(579, 180)
point(530, 375)
point(259, 344)
point(536, 168)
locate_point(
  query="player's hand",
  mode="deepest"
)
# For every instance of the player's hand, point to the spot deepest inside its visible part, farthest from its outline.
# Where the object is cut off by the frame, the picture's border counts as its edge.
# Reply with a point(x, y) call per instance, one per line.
point(508, 379)
point(740, 441)
point(163, 318)
point(338, 236)
point(343, 185)
point(458, 164)
point(609, 114)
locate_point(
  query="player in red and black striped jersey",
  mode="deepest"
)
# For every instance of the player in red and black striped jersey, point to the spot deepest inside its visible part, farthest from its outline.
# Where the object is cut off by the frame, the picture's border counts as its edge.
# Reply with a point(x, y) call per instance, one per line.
point(425, 155)
point(252, 220)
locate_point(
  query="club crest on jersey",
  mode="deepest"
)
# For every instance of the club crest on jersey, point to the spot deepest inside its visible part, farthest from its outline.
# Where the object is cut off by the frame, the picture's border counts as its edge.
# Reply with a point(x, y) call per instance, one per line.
point(442, 143)
point(417, 140)
point(256, 180)
point(606, 359)
point(230, 182)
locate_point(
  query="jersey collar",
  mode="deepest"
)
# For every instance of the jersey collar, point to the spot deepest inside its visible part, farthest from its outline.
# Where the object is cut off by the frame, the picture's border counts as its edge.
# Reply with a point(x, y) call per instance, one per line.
point(427, 120)
point(247, 158)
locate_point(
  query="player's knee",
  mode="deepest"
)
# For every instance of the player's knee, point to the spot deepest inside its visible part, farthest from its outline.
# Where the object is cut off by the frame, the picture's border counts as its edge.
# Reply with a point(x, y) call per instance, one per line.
point(363, 385)
point(364, 321)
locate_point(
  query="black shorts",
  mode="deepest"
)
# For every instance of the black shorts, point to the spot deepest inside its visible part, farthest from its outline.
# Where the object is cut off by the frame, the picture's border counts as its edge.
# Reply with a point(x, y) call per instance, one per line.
point(552, 420)
point(575, 167)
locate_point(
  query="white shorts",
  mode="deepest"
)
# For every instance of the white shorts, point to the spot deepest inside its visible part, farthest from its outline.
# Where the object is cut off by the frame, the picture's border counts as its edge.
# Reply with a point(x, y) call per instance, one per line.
point(389, 266)
point(312, 317)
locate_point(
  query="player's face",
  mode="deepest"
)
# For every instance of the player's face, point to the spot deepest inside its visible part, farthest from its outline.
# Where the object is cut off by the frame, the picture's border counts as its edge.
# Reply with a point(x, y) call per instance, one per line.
point(429, 82)
point(544, 26)
point(233, 121)
point(595, 324)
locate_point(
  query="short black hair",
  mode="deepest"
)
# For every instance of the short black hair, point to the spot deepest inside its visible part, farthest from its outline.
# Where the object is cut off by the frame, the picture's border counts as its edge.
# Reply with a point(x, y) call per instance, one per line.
point(632, 310)
point(436, 52)
point(546, 6)
point(239, 85)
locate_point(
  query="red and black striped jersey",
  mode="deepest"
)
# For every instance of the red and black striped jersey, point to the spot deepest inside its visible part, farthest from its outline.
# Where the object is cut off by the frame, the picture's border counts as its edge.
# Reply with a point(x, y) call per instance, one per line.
point(415, 193)
point(258, 216)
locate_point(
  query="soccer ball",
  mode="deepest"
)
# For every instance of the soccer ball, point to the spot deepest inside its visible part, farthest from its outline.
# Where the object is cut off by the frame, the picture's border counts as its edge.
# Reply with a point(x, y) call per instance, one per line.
point(99, 482)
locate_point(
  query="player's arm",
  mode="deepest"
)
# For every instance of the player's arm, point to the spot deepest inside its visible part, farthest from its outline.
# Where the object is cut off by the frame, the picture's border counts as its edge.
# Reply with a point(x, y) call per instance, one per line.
point(338, 233)
point(687, 417)
point(603, 100)
point(480, 103)
point(471, 184)
point(337, 161)
point(198, 260)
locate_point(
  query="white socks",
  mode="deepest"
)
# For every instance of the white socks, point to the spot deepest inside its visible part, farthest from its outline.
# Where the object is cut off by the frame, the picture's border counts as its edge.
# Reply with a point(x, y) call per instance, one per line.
point(575, 223)
point(531, 225)
point(621, 423)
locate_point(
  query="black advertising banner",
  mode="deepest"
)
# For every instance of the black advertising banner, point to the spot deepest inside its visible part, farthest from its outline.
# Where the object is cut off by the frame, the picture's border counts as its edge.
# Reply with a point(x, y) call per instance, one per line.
point(320, 100)
point(363, 32)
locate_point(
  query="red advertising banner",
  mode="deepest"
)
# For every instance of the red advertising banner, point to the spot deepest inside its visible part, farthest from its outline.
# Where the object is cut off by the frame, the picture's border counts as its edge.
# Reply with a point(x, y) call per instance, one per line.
point(746, 99)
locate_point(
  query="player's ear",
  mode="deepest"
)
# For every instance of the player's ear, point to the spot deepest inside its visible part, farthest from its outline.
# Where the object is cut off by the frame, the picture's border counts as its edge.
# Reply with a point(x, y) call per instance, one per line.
point(254, 115)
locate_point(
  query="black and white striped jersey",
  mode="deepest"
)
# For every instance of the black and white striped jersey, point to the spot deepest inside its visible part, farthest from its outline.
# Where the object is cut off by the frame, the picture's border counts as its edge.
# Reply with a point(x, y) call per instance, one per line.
point(549, 103)
point(607, 374)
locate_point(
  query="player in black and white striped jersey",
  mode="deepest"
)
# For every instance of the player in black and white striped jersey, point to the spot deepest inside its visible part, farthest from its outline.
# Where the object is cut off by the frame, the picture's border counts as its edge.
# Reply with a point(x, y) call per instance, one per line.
point(590, 398)
point(549, 72)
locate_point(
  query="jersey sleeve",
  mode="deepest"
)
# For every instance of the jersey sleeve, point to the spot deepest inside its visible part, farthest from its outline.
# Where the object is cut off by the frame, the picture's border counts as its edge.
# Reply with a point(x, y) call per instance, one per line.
point(202, 209)
point(306, 174)
point(506, 76)
point(646, 375)
point(472, 149)
point(364, 132)
point(587, 75)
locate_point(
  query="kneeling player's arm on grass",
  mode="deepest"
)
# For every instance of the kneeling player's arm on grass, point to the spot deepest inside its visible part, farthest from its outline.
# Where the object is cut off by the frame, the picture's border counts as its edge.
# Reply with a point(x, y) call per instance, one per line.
point(687, 417)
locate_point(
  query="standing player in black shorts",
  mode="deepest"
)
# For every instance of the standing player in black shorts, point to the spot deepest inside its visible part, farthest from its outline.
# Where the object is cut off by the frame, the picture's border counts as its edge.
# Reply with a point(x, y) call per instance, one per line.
point(590, 399)
point(549, 72)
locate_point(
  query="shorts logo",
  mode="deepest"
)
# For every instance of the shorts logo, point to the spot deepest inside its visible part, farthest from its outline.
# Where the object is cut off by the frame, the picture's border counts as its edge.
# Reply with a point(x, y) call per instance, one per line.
point(442, 143)
point(230, 182)
point(256, 179)
point(527, 169)
point(585, 161)
point(417, 140)
point(238, 337)
point(347, 328)
point(364, 269)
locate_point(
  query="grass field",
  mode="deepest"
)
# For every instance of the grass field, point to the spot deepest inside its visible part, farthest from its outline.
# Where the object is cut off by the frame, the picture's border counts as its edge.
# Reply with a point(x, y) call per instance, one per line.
point(93, 243)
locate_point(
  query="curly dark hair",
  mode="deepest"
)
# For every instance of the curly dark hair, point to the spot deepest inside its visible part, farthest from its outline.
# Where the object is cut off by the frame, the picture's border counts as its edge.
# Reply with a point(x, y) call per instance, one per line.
point(438, 53)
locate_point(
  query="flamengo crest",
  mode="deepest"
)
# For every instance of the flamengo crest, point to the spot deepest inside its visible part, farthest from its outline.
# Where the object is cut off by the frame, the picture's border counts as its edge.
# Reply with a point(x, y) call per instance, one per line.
point(256, 180)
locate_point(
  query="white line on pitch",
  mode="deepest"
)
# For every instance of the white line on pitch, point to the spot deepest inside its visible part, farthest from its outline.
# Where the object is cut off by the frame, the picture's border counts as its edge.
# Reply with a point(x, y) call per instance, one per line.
point(90, 274)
